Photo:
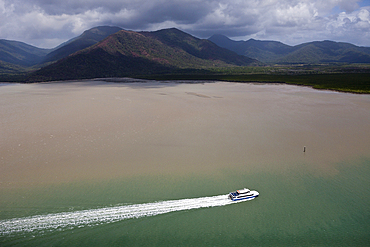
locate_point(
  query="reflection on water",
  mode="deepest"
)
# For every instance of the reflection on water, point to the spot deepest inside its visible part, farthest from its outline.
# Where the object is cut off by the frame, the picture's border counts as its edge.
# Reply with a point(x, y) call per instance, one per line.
point(86, 145)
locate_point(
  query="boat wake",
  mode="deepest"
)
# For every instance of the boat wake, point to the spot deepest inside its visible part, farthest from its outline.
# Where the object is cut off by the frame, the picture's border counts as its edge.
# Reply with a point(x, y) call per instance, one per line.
point(92, 217)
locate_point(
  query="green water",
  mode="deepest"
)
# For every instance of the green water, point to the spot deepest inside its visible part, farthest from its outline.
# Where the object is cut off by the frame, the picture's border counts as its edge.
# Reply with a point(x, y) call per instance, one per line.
point(295, 208)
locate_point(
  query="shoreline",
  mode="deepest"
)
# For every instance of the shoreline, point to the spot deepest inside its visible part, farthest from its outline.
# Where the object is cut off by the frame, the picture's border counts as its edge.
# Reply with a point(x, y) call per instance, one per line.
point(362, 89)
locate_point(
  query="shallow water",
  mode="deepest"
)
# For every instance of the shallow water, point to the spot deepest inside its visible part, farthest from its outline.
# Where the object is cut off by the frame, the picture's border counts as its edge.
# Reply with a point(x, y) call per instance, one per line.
point(74, 147)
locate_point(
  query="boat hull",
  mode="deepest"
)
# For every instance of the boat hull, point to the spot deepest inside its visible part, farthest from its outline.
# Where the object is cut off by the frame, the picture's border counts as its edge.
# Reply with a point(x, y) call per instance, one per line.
point(239, 197)
point(245, 198)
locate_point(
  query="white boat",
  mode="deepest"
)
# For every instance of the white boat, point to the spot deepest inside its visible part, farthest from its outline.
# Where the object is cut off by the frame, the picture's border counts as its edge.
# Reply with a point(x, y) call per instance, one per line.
point(244, 194)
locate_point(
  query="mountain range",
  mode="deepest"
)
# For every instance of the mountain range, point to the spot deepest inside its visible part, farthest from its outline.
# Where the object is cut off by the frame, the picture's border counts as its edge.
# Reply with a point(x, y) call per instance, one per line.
point(308, 53)
point(113, 52)
point(128, 53)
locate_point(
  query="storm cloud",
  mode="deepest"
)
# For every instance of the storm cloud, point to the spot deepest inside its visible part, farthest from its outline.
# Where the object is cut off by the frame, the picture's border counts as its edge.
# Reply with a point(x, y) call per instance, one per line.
point(47, 23)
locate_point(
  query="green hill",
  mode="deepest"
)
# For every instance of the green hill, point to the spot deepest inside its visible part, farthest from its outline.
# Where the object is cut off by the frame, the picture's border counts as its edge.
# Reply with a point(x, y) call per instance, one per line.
point(21, 54)
point(9, 68)
point(327, 52)
point(307, 53)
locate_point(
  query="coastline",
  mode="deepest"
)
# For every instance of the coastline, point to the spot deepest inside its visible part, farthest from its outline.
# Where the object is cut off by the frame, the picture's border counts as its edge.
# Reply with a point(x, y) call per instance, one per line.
point(338, 82)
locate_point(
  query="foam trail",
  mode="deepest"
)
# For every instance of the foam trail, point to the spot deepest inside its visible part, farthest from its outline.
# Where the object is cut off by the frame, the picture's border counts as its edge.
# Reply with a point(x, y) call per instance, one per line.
point(76, 219)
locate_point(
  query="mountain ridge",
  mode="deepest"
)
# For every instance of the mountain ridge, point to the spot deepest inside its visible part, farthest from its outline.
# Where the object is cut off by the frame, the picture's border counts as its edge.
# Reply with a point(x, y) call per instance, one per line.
point(86, 39)
point(18, 57)
point(200, 48)
point(307, 53)
point(21, 54)
point(128, 53)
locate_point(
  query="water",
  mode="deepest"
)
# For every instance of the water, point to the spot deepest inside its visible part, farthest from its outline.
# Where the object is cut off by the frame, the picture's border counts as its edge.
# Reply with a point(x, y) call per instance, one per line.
point(139, 164)
point(77, 219)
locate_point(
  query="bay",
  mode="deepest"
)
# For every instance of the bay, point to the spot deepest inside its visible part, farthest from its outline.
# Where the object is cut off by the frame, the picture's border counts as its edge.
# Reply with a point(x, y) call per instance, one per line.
point(89, 145)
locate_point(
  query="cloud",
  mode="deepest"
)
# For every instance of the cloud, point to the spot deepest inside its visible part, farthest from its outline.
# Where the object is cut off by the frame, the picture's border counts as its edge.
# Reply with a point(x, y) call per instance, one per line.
point(354, 27)
point(47, 23)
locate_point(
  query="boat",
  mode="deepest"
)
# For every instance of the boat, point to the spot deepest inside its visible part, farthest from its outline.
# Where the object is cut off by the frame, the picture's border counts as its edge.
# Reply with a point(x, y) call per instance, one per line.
point(244, 194)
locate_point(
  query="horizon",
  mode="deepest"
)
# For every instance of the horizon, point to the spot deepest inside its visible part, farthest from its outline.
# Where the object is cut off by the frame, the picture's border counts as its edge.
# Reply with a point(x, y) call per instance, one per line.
point(47, 25)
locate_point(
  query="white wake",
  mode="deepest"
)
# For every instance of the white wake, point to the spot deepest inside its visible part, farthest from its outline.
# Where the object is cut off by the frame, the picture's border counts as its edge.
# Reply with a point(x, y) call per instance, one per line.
point(91, 217)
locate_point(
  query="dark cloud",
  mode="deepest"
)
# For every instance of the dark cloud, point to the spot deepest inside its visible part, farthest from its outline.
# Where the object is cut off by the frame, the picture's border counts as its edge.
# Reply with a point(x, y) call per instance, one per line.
point(49, 22)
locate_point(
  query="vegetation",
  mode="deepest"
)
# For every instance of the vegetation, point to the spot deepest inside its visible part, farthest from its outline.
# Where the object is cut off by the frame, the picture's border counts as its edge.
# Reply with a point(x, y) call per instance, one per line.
point(345, 78)
point(20, 54)
point(307, 53)
point(203, 49)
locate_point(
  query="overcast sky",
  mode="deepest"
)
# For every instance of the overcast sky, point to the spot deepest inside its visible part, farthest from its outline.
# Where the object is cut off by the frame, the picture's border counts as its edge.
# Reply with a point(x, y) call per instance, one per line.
point(48, 23)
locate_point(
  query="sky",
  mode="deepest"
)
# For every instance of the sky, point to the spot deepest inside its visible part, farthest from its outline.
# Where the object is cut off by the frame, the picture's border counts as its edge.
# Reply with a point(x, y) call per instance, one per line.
point(48, 23)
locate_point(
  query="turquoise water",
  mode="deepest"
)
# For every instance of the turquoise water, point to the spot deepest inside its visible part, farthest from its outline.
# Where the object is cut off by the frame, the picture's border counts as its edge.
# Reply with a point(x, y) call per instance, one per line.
point(211, 139)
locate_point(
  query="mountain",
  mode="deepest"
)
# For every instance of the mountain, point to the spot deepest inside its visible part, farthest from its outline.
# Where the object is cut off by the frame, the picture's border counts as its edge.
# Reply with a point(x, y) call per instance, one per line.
point(264, 51)
point(327, 52)
point(86, 39)
point(200, 48)
point(21, 54)
point(307, 53)
point(128, 53)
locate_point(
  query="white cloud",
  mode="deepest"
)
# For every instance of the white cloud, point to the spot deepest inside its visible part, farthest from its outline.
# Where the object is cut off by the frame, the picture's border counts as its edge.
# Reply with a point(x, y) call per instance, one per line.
point(353, 27)
point(49, 22)
point(298, 15)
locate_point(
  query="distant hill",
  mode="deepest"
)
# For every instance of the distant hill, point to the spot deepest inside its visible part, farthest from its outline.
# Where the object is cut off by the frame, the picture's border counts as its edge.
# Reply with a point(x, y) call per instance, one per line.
point(128, 53)
point(9, 68)
point(327, 52)
point(86, 39)
point(18, 56)
point(21, 54)
point(264, 51)
point(307, 53)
